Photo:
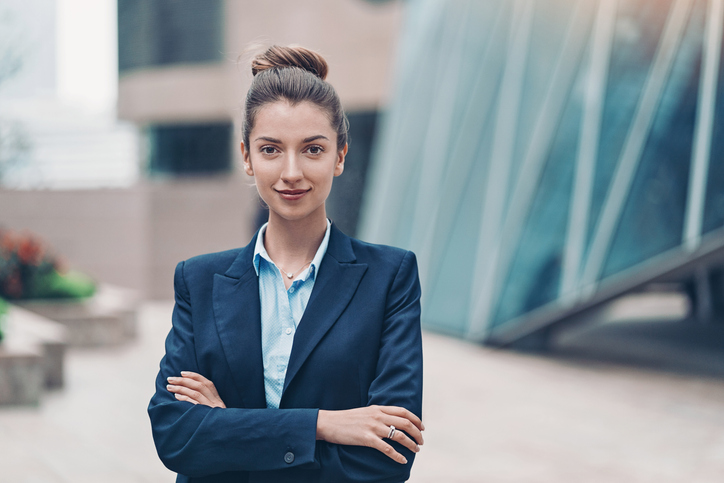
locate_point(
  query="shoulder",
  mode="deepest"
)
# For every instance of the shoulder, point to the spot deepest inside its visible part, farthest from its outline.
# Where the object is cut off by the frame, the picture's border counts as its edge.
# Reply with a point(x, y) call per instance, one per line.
point(347, 249)
point(379, 254)
point(217, 262)
point(198, 272)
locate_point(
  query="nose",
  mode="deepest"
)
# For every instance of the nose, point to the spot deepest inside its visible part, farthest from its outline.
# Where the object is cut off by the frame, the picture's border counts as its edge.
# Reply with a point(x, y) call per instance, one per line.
point(292, 169)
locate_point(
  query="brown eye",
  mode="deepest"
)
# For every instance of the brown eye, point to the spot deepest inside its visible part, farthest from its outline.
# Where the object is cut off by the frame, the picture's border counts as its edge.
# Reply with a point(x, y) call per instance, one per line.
point(315, 149)
point(268, 150)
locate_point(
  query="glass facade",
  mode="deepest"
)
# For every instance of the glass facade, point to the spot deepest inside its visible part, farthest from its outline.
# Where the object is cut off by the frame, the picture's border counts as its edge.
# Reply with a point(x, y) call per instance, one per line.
point(538, 152)
point(714, 205)
point(163, 32)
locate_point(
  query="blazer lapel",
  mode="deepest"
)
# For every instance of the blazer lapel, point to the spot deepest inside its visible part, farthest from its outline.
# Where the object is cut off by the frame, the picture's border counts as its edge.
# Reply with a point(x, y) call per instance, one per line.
point(238, 321)
point(334, 287)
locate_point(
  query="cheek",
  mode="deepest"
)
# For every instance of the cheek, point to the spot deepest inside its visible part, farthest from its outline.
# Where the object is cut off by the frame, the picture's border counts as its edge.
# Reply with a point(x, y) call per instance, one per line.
point(262, 171)
point(324, 179)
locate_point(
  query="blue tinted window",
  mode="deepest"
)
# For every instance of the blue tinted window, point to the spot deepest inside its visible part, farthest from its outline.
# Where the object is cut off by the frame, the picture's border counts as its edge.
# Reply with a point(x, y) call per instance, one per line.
point(653, 217)
point(639, 25)
point(162, 32)
point(714, 206)
point(190, 148)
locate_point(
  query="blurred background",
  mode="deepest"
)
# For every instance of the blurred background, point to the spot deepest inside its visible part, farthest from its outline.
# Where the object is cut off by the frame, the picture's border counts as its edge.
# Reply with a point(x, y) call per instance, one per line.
point(556, 165)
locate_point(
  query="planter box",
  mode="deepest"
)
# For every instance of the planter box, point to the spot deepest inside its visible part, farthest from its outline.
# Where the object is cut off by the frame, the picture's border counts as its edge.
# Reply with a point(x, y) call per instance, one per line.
point(107, 318)
point(32, 330)
point(21, 374)
point(31, 357)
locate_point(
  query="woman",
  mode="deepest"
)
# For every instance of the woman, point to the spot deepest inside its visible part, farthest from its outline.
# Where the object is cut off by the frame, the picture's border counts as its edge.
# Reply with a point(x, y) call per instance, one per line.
point(298, 357)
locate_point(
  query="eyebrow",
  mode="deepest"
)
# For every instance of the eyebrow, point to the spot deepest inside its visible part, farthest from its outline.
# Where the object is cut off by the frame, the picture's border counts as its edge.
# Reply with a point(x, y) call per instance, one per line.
point(268, 139)
point(304, 141)
point(314, 138)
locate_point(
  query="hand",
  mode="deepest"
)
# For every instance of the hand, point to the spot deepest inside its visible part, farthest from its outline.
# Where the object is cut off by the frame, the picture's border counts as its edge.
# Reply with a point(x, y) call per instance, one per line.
point(195, 389)
point(369, 426)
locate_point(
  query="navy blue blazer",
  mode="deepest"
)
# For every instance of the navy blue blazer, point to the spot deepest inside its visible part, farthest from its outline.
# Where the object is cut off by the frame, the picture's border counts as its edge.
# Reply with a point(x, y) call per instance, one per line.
point(358, 344)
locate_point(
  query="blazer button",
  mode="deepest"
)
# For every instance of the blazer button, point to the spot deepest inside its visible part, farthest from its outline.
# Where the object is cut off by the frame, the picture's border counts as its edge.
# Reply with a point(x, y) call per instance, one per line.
point(289, 458)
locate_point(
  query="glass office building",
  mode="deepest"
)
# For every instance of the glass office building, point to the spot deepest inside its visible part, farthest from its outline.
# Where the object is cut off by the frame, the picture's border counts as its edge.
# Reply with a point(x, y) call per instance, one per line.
point(542, 157)
point(158, 33)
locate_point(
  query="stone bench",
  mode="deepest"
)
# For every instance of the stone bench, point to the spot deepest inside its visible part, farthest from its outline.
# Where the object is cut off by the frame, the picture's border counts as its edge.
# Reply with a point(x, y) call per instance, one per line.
point(32, 356)
point(107, 318)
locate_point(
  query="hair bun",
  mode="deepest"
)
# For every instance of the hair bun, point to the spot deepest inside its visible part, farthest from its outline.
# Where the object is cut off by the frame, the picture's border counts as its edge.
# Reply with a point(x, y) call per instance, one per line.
point(292, 56)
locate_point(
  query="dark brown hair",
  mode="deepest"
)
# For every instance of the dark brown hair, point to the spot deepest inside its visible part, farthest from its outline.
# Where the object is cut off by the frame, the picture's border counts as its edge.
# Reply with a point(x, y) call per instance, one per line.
point(293, 74)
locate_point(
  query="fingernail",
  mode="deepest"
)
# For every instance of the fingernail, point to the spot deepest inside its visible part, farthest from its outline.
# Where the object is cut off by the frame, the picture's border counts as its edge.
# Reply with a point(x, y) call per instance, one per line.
point(417, 448)
point(404, 460)
point(185, 373)
point(423, 427)
point(170, 378)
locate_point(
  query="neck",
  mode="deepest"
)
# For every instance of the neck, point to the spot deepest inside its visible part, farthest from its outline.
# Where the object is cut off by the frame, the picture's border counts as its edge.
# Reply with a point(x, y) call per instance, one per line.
point(293, 243)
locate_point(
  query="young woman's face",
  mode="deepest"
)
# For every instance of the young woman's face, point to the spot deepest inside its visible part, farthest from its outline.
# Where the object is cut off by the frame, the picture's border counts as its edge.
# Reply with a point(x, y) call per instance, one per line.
point(293, 156)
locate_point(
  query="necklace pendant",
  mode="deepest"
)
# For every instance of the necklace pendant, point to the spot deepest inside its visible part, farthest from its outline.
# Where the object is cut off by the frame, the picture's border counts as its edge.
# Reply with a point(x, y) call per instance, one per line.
point(290, 275)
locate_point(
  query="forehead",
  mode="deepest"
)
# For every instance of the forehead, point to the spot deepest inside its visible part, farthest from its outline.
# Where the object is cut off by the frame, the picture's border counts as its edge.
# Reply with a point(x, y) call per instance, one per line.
point(283, 120)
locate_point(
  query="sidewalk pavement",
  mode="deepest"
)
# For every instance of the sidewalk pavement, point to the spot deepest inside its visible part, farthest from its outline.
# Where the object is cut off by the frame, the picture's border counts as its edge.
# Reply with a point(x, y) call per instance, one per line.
point(491, 416)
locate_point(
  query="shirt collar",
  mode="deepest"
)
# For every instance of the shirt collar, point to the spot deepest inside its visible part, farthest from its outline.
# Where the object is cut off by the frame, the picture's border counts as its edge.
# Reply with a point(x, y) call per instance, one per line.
point(311, 271)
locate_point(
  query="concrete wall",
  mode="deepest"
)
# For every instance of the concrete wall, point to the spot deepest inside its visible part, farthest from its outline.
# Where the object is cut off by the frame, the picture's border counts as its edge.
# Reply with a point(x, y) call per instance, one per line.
point(134, 237)
point(102, 232)
point(357, 38)
point(195, 216)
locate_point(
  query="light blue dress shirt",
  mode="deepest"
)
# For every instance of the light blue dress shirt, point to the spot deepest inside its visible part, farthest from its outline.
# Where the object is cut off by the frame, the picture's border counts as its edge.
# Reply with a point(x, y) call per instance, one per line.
point(281, 311)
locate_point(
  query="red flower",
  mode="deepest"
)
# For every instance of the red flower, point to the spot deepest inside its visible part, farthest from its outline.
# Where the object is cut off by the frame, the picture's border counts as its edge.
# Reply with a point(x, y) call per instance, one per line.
point(30, 251)
point(7, 241)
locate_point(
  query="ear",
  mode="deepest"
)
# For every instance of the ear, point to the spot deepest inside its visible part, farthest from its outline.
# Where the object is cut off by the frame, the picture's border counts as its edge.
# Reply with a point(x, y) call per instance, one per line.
point(339, 167)
point(247, 160)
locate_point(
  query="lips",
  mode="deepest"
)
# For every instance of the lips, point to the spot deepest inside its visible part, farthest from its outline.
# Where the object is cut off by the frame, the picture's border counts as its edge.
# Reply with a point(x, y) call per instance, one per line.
point(292, 195)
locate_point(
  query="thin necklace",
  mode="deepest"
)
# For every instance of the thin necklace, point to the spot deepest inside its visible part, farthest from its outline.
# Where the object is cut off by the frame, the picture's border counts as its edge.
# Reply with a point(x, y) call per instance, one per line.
point(291, 274)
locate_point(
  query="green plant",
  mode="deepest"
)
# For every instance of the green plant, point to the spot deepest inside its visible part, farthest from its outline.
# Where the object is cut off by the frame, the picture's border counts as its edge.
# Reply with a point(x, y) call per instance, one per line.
point(28, 270)
point(3, 313)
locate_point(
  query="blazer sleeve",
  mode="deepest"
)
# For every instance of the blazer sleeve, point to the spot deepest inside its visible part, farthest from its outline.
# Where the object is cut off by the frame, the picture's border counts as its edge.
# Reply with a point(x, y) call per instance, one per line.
point(398, 382)
point(196, 440)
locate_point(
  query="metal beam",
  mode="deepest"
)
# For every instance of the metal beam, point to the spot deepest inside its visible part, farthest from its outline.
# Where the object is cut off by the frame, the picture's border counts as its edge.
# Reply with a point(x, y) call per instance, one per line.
point(704, 125)
point(593, 101)
point(506, 124)
point(634, 145)
point(464, 148)
point(434, 156)
point(394, 153)
point(493, 262)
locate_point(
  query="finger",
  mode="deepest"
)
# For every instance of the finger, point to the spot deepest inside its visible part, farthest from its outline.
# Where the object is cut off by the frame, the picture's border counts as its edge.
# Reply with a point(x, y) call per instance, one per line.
point(207, 389)
point(193, 375)
point(181, 397)
point(407, 426)
point(197, 382)
point(405, 441)
point(389, 451)
point(187, 382)
point(190, 393)
point(404, 413)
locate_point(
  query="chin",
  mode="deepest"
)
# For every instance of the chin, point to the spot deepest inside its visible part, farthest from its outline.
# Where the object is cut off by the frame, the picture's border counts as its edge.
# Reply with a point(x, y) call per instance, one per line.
point(291, 215)
point(294, 214)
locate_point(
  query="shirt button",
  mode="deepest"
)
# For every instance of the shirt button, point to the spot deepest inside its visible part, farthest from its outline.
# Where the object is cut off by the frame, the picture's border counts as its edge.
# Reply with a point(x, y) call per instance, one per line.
point(289, 331)
point(289, 458)
point(291, 290)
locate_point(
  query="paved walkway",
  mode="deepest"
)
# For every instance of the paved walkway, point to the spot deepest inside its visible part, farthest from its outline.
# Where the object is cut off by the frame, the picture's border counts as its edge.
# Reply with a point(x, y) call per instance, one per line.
point(492, 416)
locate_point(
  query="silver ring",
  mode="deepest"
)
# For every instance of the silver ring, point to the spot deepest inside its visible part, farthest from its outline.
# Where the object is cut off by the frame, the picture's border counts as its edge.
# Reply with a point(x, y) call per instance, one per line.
point(391, 434)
